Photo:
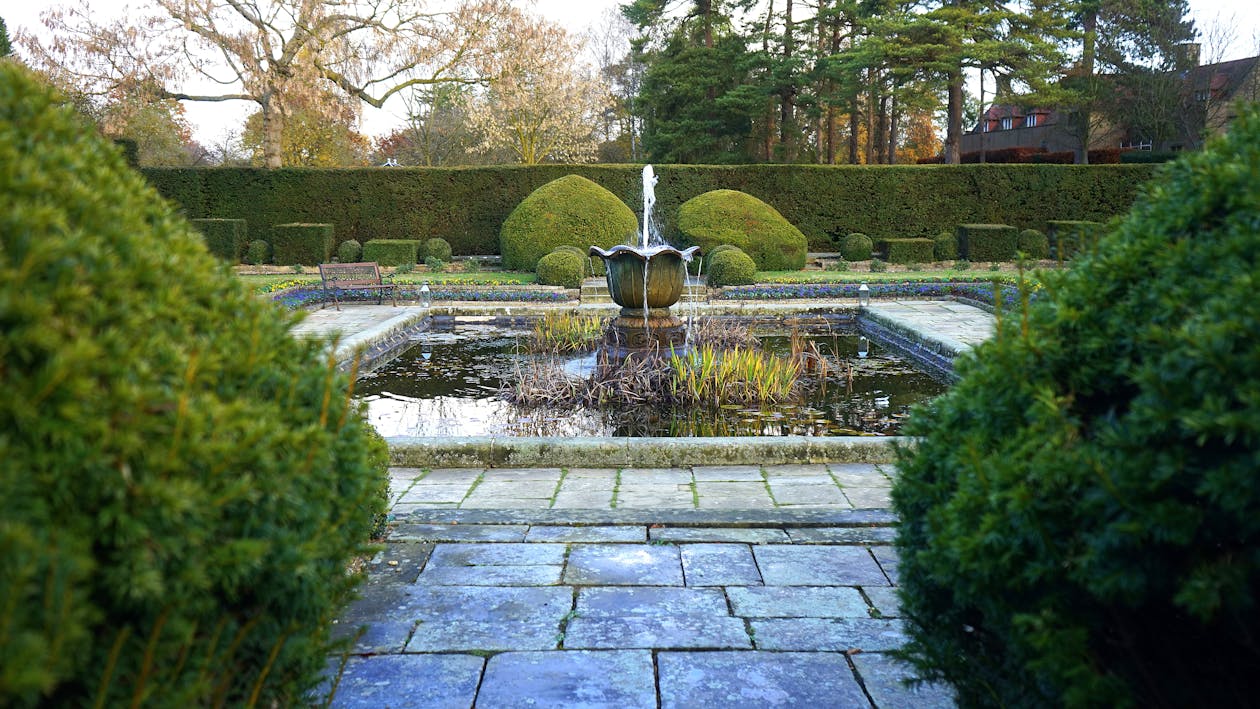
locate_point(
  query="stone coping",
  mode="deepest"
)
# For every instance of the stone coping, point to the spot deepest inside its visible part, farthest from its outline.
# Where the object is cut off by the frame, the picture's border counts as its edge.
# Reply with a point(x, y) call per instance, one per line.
point(524, 452)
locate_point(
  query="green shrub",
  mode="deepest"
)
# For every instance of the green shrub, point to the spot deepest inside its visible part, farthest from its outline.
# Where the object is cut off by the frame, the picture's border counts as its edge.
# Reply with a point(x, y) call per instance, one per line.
point(561, 268)
point(736, 218)
point(433, 263)
point(1067, 237)
point(910, 250)
point(1080, 516)
point(1033, 244)
point(349, 251)
point(184, 483)
point(307, 244)
point(987, 242)
point(878, 266)
point(437, 248)
point(258, 253)
point(590, 265)
point(225, 238)
point(571, 210)
point(962, 265)
point(391, 252)
point(732, 267)
point(856, 247)
point(945, 246)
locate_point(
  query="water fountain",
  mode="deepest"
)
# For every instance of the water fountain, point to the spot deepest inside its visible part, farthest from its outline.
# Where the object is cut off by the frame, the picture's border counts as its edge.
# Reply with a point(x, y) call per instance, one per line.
point(645, 281)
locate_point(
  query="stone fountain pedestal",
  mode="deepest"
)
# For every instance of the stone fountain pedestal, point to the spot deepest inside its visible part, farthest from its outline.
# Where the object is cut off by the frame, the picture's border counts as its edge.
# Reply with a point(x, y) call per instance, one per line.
point(645, 283)
point(656, 335)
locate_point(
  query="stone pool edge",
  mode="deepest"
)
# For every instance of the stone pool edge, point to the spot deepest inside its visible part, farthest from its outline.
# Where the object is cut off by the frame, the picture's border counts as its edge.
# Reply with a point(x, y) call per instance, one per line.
point(645, 452)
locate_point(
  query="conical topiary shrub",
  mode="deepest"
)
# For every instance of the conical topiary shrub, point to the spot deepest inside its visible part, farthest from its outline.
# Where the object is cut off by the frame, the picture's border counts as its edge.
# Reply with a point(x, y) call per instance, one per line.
point(571, 210)
point(182, 483)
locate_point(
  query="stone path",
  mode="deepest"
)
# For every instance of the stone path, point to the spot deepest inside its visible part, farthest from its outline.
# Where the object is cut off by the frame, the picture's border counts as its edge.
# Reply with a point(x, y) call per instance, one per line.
point(509, 588)
point(956, 325)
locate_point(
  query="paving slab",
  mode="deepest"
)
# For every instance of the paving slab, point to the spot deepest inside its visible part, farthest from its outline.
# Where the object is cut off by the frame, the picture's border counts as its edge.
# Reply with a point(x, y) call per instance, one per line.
point(750, 493)
point(818, 565)
point(869, 497)
point(496, 575)
point(859, 475)
point(583, 500)
point(458, 533)
point(842, 535)
point(506, 503)
point(655, 476)
point(677, 631)
point(496, 554)
point(396, 681)
point(655, 500)
point(374, 638)
point(522, 475)
point(465, 618)
point(452, 476)
point(889, 562)
point(527, 488)
point(756, 680)
point(435, 493)
point(822, 634)
point(719, 565)
point(885, 600)
point(797, 602)
point(630, 534)
point(719, 534)
point(623, 564)
point(579, 679)
point(727, 473)
point(885, 679)
point(795, 493)
point(649, 601)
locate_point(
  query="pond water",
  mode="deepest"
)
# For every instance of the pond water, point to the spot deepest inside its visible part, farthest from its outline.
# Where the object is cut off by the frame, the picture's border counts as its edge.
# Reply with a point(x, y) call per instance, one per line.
point(448, 384)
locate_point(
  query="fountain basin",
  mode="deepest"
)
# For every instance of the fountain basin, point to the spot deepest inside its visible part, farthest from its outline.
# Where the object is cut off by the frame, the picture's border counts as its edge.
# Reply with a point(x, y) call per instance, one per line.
point(650, 278)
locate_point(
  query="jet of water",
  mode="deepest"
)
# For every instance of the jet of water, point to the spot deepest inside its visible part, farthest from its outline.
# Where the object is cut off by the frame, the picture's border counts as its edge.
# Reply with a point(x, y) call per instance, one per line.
point(649, 199)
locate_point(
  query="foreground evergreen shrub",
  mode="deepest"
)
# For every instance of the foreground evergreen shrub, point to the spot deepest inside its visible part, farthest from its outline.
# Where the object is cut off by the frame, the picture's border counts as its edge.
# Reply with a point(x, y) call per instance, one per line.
point(391, 252)
point(307, 244)
point(987, 242)
point(856, 247)
point(732, 267)
point(349, 251)
point(571, 210)
point(225, 238)
point(1080, 521)
point(1033, 244)
point(740, 219)
point(183, 484)
point(561, 267)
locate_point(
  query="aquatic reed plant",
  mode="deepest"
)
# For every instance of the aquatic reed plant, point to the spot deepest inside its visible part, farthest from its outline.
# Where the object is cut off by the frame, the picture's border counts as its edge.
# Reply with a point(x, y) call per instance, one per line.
point(559, 332)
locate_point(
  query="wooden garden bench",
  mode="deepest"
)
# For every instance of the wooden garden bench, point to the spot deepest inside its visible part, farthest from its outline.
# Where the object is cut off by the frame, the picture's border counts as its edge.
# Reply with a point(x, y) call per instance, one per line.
point(364, 276)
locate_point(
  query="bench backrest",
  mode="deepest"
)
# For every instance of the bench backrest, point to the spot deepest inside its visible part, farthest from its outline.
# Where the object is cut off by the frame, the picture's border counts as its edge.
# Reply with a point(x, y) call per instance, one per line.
point(367, 273)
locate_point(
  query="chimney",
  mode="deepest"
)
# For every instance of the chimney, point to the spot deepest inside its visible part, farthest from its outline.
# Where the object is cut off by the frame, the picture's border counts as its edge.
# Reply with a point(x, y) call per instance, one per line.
point(1188, 55)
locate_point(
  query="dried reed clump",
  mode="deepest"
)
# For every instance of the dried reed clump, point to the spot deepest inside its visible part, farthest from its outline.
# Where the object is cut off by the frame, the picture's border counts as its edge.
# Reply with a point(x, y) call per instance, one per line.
point(722, 334)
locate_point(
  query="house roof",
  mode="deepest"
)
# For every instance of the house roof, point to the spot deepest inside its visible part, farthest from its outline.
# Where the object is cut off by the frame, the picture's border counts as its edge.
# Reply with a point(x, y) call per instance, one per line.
point(1223, 78)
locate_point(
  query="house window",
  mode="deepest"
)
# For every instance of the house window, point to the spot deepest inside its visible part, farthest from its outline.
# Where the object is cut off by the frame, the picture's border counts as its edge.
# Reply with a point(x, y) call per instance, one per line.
point(1202, 95)
point(1008, 123)
point(1030, 121)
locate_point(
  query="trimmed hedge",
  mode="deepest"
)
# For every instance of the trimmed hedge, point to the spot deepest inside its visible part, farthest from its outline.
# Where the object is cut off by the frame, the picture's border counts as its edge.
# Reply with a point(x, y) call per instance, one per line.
point(910, 250)
point(392, 252)
point(733, 217)
point(571, 210)
point(561, 267)
point(732, 267)
point(1067, 237)
point(945, 246)
point(987, 242)
point(225, 238)
point(856, 247)
point(468, 206)
point(307, 244)
point(1033, 244)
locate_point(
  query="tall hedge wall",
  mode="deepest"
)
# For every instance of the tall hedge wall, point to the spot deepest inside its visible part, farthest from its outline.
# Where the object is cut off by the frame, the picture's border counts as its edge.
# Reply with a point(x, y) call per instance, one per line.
point(467, 206)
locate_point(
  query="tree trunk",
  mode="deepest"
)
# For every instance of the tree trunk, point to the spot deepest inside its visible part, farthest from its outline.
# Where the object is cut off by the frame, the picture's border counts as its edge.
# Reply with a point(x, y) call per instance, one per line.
point(273, 128)
point(881, 131)
point(953, 118)
point(855, 124)
point(787, 113)
point(1088, 54)
point(893, 120)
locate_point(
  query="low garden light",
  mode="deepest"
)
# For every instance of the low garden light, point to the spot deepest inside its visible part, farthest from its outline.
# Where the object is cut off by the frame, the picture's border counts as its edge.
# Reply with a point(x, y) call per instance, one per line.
point(864, 347)
point(864, 295)
point(426, 298)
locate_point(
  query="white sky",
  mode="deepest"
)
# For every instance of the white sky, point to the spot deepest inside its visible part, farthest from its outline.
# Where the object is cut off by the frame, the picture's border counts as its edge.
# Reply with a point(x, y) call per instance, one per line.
point(211, 119)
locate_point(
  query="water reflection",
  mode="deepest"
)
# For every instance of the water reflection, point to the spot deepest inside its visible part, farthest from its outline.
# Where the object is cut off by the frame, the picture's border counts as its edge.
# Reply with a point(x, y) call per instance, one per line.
point(448, 385)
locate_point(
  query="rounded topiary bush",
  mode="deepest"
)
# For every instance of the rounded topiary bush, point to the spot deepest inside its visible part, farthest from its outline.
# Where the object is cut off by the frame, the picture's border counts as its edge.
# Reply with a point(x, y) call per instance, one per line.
point(1033, 244)
point(349, 251)
point(856, 247)
point(739, 219)
point(732, 267)
point(258, 252)
point(589, 264)
point(571, 210)
point(561, 268)
point(439, 249)
point(945, 246)
point(185, 484)
point(1080, 516)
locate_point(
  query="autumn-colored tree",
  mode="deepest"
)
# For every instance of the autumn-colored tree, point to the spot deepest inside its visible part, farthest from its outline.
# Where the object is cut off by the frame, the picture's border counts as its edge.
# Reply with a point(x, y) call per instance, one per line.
point(311, 139)
point(541, 104)
point(159, 128)
point(274, 53)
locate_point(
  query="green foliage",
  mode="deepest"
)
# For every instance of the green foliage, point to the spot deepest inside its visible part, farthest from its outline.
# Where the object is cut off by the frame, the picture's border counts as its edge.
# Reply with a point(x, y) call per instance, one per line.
point(945, 246)
point(856, 247)
point(739, 219)
point(6, 48)
point(571, 210)
point(732, 267)
point(391, 252)
point(878, 266)
point(987, 242)
point(1080, 515)
point(910, 250)
point(224, 238)
point(437, 248)
point(433, 263)
point(566, 332)
point(1136, 157)
point(594, 265)
point(1067, 237)
point(184, 483)
point(1033, 244)
point(258, 252)
point(307, 244)
point(130, 150)
point(468, 206)
point(561, 268)
point(349, 251)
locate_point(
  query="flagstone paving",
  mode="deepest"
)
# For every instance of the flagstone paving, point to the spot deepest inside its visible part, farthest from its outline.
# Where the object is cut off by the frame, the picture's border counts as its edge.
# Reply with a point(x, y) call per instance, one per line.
point(577, 605)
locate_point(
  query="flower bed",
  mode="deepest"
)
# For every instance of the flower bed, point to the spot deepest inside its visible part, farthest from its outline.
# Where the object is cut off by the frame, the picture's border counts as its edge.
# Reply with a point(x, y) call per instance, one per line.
point(978, 291)
point(303, 295)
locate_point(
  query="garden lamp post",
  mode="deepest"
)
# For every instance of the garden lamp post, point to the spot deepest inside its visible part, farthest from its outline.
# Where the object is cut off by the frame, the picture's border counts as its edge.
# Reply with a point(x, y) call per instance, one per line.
point(864, 295)
point(864, 347)
point(425, 298)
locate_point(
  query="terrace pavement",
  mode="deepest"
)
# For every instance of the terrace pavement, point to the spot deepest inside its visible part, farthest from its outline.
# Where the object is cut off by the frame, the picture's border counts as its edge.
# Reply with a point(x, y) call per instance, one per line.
point(691, 586)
